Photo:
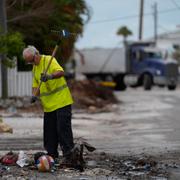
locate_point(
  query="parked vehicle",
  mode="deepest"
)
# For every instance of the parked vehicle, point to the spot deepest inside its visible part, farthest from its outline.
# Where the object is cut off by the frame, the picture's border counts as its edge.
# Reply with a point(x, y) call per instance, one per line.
point(137, 64)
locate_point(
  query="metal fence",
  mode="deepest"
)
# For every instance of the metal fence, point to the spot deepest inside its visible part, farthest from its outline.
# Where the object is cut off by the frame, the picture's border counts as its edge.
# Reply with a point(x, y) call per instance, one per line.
point(19, 83)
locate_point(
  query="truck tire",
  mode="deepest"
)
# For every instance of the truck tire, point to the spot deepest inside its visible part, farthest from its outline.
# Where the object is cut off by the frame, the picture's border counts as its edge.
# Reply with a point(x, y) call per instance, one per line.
point(147, 82)
point(120, 85)
point(172, 87)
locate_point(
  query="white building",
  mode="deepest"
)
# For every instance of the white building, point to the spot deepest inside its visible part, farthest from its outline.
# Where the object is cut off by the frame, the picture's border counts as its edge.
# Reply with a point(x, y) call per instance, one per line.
point(169, 40)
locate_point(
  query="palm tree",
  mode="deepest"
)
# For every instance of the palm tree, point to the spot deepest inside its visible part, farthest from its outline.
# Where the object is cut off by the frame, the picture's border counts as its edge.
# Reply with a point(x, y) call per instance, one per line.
point(125, 32)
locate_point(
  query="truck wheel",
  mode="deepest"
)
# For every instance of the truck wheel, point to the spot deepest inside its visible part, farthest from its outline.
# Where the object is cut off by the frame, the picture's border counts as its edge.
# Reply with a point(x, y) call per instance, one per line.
point(120, 85)
point(172, 87)
point(147, 82)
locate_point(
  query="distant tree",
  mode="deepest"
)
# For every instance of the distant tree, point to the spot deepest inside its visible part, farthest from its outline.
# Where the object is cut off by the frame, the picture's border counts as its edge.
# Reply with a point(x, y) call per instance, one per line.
point(12, 45)
point(36, 19)
point(125, 32)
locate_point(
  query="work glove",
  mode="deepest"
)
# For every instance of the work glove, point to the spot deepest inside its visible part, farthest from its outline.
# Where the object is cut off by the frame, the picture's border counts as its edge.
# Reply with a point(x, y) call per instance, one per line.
point(46, 77)
point(33, 99)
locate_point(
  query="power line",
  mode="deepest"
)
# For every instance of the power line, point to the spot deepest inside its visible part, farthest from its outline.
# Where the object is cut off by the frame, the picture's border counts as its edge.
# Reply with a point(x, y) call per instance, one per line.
point(132, 16)
point(164, 29)
point(175, 3)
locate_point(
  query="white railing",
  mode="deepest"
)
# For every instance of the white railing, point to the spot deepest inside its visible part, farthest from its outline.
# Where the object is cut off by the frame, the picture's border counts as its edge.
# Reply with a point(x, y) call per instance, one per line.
point(19, 83)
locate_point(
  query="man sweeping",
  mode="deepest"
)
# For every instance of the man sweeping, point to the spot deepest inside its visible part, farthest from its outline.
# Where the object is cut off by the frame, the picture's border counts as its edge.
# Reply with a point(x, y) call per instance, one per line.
point(56, 100)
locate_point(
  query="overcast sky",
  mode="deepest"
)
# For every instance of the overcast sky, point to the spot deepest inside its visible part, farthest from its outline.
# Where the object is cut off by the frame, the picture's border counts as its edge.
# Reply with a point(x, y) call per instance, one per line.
point(109, 15)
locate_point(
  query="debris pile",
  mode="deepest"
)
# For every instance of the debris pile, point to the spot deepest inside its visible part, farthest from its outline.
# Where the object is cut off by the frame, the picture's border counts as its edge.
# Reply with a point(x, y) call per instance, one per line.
point(97, 166)
point(14, 163)
point(133, 167)
point(4, 128)
point(89, 94)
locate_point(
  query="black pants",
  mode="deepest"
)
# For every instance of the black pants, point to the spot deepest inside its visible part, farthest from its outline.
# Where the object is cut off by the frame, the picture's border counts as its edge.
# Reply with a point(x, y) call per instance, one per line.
point(57, 130)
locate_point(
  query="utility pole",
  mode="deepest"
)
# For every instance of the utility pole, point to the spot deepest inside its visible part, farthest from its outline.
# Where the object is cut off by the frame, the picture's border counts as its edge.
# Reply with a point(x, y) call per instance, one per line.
point(141, 14)
point(155, 21)
point(3, 30)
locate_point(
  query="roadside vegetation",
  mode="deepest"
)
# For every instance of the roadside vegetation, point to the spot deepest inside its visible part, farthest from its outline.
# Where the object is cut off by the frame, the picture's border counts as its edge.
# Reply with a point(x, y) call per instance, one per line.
point(32, 22)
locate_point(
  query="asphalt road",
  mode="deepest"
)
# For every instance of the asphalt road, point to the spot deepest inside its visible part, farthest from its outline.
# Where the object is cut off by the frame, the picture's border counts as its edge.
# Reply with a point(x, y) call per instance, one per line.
point(143, 122)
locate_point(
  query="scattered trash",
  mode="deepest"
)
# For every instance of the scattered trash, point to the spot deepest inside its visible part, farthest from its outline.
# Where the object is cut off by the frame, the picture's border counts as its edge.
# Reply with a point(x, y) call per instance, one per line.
point(145, 162)
point(96, 167)
point(45, 163)
point(4, 168)
point(78, 161)
point(9, 159)
point(37, 155)
point(22, 159)
point(172, 165)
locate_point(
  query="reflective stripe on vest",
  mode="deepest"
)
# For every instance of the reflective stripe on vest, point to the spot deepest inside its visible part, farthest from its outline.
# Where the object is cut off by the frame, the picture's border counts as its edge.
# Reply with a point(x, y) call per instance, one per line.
point(54, 91)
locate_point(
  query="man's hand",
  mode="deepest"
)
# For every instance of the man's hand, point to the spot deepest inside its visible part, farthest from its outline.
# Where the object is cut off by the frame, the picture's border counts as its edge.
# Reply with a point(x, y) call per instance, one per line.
point(46, 77)
point(33, 99)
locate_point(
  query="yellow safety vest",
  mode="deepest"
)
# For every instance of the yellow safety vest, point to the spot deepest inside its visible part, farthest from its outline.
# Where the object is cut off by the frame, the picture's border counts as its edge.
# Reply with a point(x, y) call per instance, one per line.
point(54, 94)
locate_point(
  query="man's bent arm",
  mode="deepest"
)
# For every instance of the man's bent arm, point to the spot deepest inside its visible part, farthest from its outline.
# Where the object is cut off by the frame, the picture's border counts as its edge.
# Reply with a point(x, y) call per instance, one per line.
point(57, 74)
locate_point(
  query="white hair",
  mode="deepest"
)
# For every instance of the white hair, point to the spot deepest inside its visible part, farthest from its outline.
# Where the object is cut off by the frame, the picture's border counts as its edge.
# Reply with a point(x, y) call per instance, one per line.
point(30, 50)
